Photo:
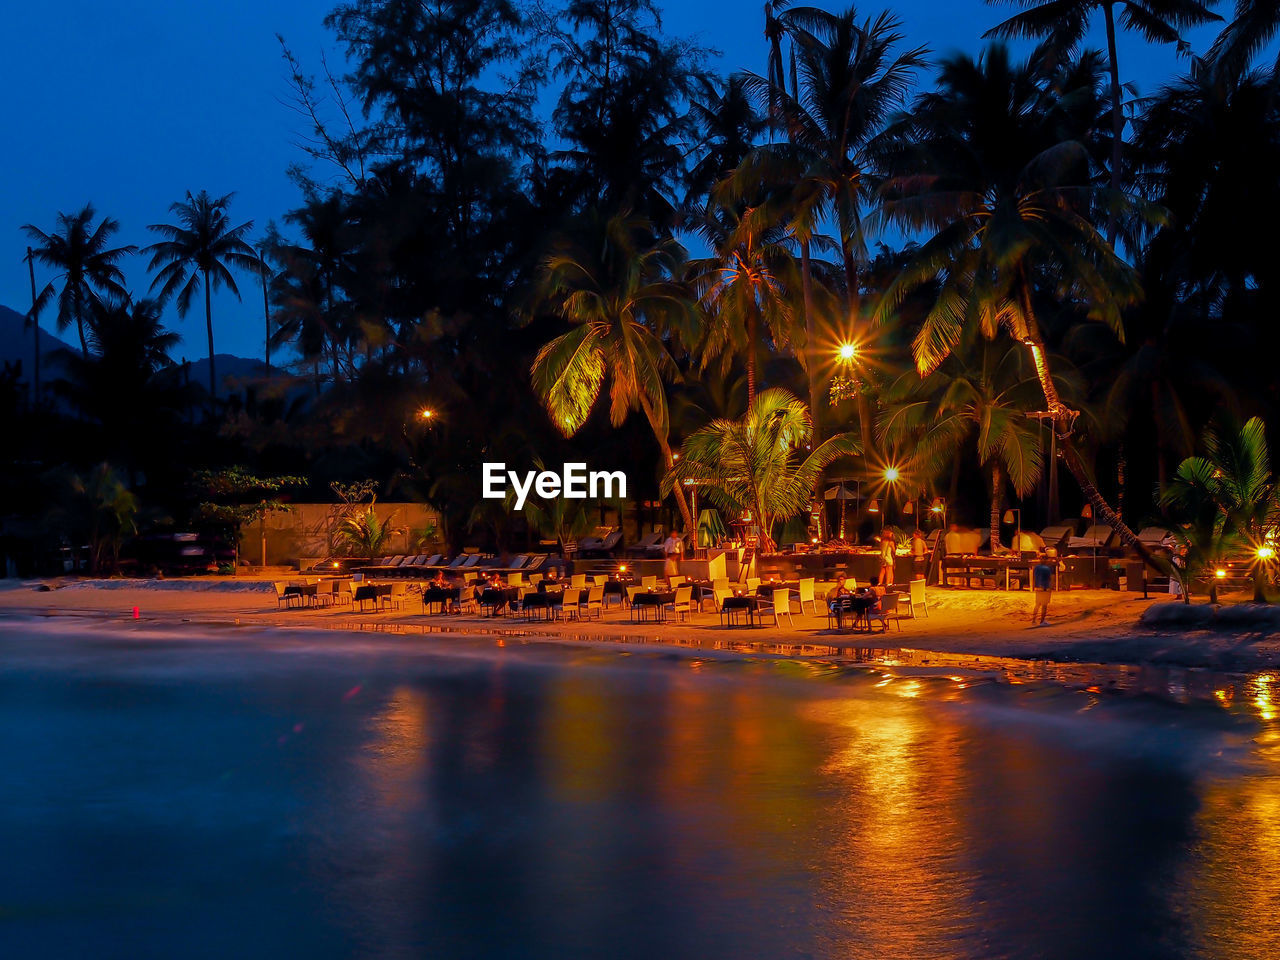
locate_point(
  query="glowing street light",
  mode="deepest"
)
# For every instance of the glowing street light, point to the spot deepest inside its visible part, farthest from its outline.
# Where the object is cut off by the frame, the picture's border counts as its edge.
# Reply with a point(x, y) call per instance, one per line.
point(847, 351)
point(1266, 552)
point(426, 413)
point(891, 475)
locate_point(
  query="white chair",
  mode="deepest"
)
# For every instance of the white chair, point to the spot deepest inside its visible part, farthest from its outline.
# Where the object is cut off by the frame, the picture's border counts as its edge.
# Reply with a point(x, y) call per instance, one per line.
point(578, 581)
point(682, 606)
point(515, 579)
point(780, 604)
point(806, 594)
point(916, 598)
point(595, 602)
point(399, 594)
point(649, 583)
point(675, 582)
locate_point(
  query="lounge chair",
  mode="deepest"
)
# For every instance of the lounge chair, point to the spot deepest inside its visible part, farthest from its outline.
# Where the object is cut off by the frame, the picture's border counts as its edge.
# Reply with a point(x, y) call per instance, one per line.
point(1097, 538)
point(1058, 535)
point(648, 545)
point(1154, 537)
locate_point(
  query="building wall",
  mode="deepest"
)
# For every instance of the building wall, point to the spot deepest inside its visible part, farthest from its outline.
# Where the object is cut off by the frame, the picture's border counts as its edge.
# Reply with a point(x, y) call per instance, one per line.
point(308, 530)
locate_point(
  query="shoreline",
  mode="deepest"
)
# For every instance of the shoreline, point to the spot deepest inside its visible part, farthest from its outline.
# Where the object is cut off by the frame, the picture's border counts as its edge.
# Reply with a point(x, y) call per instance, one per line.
point(1100, 627)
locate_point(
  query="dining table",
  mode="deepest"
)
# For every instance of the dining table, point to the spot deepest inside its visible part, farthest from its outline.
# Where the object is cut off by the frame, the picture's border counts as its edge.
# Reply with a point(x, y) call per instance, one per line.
point(653, 602)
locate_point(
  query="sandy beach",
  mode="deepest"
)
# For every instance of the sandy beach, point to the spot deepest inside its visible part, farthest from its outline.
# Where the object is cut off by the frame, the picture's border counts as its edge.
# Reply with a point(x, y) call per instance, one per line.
point(1084, 626)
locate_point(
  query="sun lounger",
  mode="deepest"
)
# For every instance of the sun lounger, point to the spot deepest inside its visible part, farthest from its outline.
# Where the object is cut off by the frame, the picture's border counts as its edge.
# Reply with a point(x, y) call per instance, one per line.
point(1097, 537)
point(648, 545)
point(1058, 535)
point(1154, 537)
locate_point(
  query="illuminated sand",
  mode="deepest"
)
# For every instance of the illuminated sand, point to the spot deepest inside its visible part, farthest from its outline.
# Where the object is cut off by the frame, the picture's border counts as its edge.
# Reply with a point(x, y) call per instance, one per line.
point(1099, 626)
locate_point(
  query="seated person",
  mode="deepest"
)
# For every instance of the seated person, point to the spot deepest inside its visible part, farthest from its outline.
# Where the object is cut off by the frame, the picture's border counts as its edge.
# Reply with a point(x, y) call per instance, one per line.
point(840, 590)
point(874, 591)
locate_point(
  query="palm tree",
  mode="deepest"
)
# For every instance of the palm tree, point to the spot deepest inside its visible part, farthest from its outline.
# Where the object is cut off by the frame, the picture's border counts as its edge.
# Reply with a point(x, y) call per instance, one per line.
point(1066, 22)
point(363, 534)
point(87, 267)
point(852, 77)
point(1251, 30)
point(198, 251)
point(748, 289)
point(980, 395)
point(621, 298)
point(755, 463)
point(992, 171)
point(1229, 497)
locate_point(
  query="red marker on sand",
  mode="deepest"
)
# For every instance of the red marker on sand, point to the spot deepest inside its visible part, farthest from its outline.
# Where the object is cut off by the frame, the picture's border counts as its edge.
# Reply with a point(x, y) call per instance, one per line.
point(135, 613)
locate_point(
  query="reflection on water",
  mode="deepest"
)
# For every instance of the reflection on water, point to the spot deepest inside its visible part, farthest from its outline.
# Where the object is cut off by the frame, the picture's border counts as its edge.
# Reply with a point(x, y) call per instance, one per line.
point(258, 794)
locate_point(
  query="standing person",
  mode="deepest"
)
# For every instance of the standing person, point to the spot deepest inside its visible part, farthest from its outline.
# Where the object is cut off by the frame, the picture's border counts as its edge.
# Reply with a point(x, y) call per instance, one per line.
point(1042, 583)
point(672, 548)
point(919, 554)
point(887, 553)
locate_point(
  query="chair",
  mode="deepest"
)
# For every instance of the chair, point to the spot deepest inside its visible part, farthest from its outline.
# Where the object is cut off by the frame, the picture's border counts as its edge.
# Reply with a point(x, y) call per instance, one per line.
point(1097, 537)
point(649, 583)
point(886, 610)
point(806, 595)
point(1057, 536)
point(578, 581)
point(595, 602)
point(649, 544)
point(399, 595)
point(682, 606)
point(283, 599)
point(1153, 537)
point(633, 590)
point(752, 583)
point(780, 604)
point(721, 592)
point(916, 598)
point(675, 582)
point(515, 579)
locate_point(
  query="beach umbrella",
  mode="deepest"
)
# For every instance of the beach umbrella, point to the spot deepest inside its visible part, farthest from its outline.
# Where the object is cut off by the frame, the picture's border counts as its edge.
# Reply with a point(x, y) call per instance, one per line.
point(841, 494)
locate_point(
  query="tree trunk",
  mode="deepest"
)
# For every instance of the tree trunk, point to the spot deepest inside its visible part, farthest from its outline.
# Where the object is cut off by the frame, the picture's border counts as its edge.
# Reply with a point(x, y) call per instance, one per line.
point(1063, 419)
point(84, 344)
point(1117, 118)
point(667, 461)
point(997, 491)
point(811, 366)
point(208, 324)
point(752, 333)
point(35, 323)
point(266, 319)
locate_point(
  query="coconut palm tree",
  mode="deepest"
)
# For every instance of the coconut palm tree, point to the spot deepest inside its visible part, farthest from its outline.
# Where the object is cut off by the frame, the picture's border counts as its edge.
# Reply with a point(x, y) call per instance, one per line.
point(1229, 498)
point(748, 288)
point(198, 252)
point(1251, 30)
point(981, 395)
point(852, 76)
point(757, 463)
point(1065, 23)
point(991, 173)
point(620, 295)
point(87, 268)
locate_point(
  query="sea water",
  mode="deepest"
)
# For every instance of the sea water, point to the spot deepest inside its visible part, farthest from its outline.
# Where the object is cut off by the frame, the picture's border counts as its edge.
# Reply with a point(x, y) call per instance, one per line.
point(187, 792)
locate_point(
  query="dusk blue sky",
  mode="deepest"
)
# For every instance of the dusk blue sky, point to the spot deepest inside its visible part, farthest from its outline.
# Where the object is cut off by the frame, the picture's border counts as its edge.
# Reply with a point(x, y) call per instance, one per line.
point(132, 103)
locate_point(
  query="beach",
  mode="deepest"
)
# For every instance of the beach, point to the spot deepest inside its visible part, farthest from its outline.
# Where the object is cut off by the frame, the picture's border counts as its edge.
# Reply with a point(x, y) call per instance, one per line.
point(1099, 626)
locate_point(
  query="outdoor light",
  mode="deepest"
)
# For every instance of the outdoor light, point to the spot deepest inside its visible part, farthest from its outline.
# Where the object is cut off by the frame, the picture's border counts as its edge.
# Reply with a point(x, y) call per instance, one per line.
point(622, 568)
point(891, 474)
point(873, 506)
point(1220, 573)
point(1009, 517)
point(848, 351)
point(426, 413)
point(1086, 511)
point(1266, 552)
